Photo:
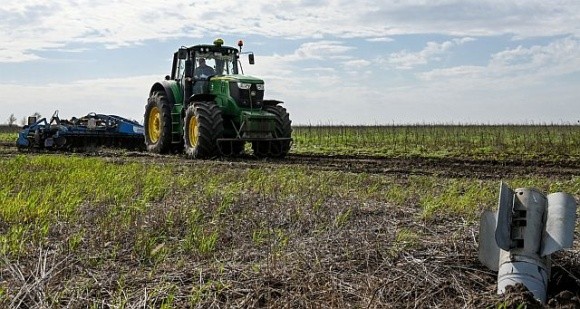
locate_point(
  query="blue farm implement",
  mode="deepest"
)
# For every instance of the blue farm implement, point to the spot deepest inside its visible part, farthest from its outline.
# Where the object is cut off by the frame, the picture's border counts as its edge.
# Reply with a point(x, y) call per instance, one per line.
point(79, 134)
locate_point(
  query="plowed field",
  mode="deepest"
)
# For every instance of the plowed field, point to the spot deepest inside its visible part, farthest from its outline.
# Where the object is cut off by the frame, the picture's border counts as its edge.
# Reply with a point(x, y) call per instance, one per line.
point(308, 231)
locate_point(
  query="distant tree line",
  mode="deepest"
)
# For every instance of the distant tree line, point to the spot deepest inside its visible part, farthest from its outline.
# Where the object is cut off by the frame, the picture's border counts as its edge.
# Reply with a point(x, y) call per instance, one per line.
point(11, 121)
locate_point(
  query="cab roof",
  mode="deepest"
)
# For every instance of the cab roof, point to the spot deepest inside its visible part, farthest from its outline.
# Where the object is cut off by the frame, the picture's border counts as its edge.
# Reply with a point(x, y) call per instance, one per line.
point(211, 48)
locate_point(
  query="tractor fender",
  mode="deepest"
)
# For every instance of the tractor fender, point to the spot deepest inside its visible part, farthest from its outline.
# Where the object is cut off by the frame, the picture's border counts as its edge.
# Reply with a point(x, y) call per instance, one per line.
point(271, 102)
point(165, 87)
point(200, 97)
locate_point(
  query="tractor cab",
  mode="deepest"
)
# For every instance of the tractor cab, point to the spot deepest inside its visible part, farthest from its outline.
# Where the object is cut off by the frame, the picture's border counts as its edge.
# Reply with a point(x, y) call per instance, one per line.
point(194, 66)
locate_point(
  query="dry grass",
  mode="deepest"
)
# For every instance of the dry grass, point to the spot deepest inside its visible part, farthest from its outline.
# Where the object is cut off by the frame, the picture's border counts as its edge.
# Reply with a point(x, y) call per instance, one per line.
point(217, 234)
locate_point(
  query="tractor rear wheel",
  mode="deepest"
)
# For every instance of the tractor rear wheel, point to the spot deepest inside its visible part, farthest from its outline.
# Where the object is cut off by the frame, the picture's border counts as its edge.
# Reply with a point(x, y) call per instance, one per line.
point(283, 129)
point(203, 125)
point(158, 123)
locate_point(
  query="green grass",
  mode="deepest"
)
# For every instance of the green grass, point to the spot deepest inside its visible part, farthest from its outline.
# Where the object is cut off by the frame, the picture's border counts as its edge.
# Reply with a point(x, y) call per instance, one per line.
point(551, 142)
point(40, 191)
point(55, 191)
point(8, 137)
point(126, 228)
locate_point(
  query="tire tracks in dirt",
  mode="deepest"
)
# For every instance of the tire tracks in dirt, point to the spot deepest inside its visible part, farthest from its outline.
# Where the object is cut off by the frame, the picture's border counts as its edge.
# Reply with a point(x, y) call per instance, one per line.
point(444, 167)
point(401, 166)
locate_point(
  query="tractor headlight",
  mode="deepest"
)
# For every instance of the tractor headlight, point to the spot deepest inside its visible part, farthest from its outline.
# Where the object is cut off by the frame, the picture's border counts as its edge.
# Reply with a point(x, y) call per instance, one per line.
point(260, 86)
point(244, 86)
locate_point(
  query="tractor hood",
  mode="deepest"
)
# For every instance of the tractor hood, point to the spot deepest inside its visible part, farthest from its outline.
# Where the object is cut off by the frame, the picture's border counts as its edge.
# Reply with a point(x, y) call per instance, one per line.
point(241, 79)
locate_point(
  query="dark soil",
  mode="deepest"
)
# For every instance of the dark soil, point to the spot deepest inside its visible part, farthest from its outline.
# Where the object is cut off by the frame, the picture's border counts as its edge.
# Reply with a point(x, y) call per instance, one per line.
point(444, 167)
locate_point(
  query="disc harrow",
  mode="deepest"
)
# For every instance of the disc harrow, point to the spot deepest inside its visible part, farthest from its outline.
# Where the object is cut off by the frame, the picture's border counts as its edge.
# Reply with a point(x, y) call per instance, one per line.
point(81, 134)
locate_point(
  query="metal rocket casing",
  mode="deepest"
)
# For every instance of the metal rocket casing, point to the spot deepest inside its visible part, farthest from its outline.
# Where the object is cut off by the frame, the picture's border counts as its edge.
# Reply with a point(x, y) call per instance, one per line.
point(517, 240)
point(560, 223)
point(519, 260)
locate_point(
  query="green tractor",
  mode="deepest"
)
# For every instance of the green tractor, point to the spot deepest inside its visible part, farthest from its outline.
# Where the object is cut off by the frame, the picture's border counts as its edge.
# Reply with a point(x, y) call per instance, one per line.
point(208, 108)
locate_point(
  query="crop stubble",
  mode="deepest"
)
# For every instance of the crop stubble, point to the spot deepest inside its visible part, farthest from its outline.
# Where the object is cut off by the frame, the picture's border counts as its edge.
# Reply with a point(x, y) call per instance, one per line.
point(274, 250)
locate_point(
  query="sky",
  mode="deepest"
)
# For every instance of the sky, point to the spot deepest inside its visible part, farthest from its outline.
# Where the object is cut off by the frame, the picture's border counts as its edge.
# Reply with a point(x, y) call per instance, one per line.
point(332, 62)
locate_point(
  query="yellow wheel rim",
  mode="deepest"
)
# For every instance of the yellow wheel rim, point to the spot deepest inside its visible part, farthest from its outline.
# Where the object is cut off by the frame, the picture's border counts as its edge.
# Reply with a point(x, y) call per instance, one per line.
point(154, 127)
point(193, 132)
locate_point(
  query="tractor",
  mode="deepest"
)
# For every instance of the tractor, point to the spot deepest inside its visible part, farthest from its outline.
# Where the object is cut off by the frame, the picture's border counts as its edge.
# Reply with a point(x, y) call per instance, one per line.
point(208, 108)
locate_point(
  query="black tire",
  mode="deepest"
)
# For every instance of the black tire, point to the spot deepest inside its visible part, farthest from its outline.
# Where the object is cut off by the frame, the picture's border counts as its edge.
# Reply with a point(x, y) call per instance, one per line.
point(203, 125)
point(276, 149)
point(157, 123)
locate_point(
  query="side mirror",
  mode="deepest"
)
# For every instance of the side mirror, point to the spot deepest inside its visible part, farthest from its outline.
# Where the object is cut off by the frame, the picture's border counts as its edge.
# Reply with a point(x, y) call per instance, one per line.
point(182, 54)
point(188, 68)
point(251, 58)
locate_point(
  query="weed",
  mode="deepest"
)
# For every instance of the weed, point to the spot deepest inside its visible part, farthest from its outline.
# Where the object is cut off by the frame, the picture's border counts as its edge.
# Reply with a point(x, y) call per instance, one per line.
point(75, 240)
point(343, 217)
point(12, 242)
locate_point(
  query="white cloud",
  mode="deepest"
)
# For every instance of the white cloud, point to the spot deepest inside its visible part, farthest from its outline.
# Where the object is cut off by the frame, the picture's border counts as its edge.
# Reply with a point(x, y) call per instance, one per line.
point(532, 64)
point(32, 25)
point(407, 60)
point(320, 70)
point(467, 71)
point(320, 50)
point(527, 18)
point(7, 55)
point(120, 96)
point(563, 55)
point(380, 39)
point(356, 64)
point(339, 82)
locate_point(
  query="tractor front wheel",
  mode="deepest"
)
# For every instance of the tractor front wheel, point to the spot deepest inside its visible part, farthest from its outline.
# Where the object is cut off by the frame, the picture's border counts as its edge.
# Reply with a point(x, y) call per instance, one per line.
point(158, 123)
point(203, 125)
point(283, 129)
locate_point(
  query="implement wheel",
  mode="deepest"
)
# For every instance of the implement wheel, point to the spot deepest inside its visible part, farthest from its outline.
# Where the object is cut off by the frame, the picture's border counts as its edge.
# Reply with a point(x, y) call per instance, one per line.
point(158, 123)
point(203, 125)
point(276, 149)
